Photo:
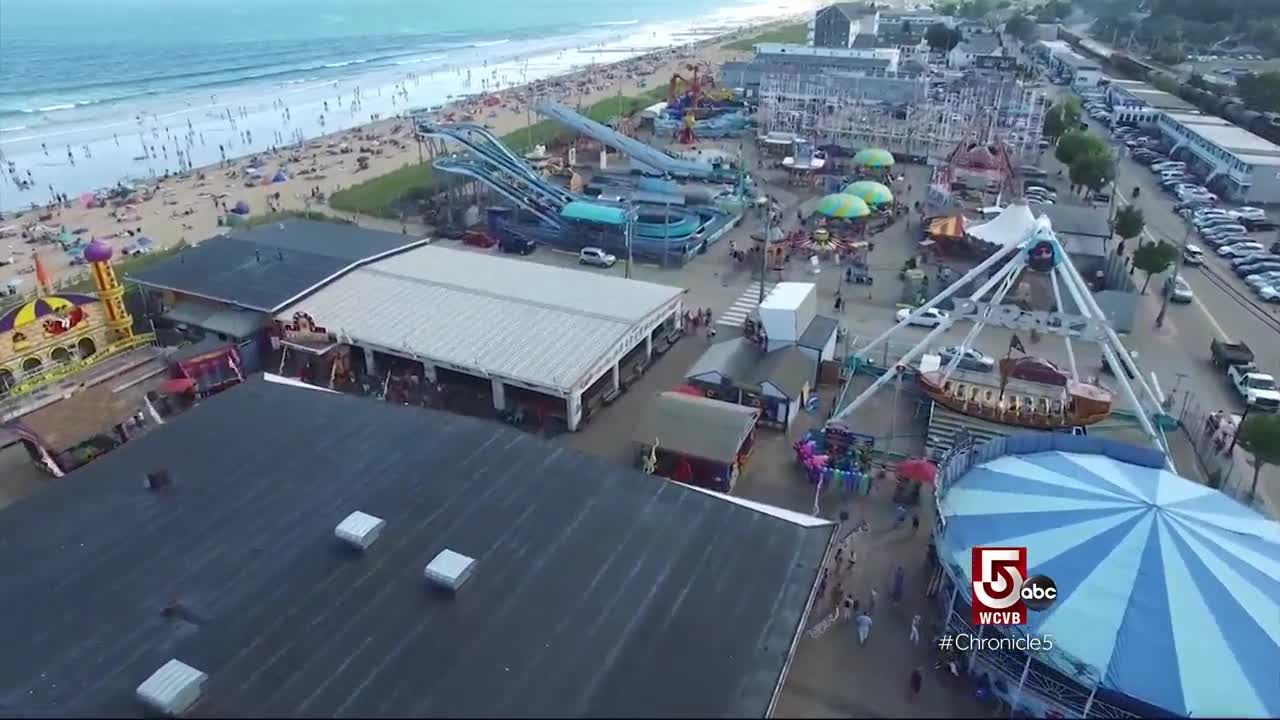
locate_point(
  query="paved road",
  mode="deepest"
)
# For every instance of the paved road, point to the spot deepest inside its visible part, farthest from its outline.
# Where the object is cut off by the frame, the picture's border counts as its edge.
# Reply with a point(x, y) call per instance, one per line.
point(1178, 352)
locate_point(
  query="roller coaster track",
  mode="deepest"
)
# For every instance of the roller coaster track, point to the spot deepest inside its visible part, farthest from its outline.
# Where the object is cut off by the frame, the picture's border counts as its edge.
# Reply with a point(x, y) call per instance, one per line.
point(1229, 289)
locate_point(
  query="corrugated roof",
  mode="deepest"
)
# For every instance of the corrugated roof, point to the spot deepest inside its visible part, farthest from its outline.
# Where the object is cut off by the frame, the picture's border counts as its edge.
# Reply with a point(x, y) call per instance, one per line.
point(696, 426)
point(218, 318)
point(271, 264)
point(739, 360)
point(598, 591)
point(524, 321)
point(593, 212)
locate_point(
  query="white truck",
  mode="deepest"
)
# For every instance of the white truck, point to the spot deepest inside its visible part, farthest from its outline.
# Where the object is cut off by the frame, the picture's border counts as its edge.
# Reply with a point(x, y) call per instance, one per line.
point(1258, 389)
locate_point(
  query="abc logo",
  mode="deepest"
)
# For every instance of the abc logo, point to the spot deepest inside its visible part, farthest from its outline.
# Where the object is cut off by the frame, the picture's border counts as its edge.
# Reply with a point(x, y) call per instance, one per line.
point(1039, 592)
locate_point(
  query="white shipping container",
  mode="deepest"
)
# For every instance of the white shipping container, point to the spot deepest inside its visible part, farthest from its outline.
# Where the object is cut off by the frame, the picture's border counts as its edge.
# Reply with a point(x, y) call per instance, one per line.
point(787, 311)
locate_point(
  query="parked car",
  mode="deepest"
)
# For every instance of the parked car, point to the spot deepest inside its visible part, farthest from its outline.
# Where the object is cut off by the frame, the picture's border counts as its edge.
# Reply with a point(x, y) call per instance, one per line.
point(1041, 192)
point(929, 318)
point(970, 358)
point(1178, 289)
point(1257, 281)
point(1239, 249)
point(596, 256)
point(1258, 257)
point(1249, 213)
point(1270, 293)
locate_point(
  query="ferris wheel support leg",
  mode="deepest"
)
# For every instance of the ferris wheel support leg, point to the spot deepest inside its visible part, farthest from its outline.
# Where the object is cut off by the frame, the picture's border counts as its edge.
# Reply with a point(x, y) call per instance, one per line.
point(951, 290)
point(1014, 265)
point(1057, 298)
point(1010, 279)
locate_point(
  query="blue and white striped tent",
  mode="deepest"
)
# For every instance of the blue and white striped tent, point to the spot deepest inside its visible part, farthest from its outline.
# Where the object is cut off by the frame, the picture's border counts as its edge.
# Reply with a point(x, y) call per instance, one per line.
point(1168, 590)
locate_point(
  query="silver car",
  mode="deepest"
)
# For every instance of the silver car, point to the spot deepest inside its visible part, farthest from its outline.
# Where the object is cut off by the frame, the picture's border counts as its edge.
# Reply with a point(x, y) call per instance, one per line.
point(970, 359)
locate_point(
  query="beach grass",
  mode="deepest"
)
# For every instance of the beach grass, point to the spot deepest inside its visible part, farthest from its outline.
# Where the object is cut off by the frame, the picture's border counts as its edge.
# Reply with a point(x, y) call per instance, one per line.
point(793, 33)
point(381, 196)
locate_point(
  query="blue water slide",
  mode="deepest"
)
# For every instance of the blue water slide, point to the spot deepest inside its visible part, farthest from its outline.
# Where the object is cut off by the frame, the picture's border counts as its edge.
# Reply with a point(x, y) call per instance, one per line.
point(490, 162)
point(640, 153)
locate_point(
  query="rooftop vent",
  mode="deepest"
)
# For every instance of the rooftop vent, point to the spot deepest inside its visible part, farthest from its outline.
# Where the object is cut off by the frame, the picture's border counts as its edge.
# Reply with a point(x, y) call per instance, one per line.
point(172, 689)
point(449, 569)
point(158, 479)
point(359, 530)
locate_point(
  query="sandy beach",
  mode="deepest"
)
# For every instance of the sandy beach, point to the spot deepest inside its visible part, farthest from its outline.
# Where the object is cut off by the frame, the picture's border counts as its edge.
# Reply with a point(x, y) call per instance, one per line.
point(187, 207)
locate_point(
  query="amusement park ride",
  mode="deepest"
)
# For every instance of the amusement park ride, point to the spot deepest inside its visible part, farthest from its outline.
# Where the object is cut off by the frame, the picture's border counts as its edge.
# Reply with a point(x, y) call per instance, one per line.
point(693, 97)
point(1029, 392)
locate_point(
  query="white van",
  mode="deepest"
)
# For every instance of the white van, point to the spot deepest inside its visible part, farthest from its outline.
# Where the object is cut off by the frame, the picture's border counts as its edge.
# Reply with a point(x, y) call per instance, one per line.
point(1193, 255)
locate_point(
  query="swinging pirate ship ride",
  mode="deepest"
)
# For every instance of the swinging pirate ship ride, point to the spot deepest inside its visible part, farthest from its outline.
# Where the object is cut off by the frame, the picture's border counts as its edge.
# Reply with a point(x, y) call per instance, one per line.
point(1041, 396)
point(1028, 391)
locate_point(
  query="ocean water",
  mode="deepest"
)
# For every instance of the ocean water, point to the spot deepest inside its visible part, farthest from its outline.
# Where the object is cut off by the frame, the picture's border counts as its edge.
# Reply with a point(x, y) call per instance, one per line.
point(92, 93)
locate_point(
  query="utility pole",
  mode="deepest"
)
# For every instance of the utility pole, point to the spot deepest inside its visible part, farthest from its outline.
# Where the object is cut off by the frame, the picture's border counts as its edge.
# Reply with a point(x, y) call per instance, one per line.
point(1173, 282)
point(631, 216)
point(764, 251)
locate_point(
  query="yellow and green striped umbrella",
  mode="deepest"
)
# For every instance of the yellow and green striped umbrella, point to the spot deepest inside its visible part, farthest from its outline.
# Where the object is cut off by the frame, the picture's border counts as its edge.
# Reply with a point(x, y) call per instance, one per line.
point(874, 158)
point(872, 193)
point(842, 206)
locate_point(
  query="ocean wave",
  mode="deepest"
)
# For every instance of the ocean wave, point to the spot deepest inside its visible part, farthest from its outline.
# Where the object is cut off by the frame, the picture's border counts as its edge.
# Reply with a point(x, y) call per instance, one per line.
point(415, 61)
point(12, 128)
point(615, 23)
point(490, 43)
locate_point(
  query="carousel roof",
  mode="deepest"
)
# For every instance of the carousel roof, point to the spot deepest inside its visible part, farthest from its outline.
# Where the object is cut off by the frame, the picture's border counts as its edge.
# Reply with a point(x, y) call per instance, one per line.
point(1168, 589)
point(33, 310)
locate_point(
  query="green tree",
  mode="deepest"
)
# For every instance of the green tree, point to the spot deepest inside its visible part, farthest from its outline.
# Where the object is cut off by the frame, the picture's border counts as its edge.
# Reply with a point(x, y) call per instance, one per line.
point(1092, 170)
point(941, 37)
point(948, 8)
point(1153, 258)
point(1020, 27)
point(1260, 436)
point(1260, 91)
point(1075, 144)
point(1061, 117)
point(1129, 222)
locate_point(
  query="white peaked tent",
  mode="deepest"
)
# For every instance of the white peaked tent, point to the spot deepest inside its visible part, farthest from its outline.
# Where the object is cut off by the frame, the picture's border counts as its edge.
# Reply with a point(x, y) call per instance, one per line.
point(1010, 227)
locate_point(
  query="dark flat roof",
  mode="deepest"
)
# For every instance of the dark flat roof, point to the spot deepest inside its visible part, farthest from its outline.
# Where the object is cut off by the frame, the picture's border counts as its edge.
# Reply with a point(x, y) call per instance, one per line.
point(266, 266)
point(786, 368)
point(598, 590)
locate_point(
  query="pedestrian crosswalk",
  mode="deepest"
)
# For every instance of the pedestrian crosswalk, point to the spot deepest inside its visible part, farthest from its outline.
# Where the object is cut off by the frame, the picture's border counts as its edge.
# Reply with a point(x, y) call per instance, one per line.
point(744, 305)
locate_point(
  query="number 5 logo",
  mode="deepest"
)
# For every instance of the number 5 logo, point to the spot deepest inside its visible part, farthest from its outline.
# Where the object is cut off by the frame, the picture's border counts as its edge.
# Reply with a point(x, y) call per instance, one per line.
point(998, 577)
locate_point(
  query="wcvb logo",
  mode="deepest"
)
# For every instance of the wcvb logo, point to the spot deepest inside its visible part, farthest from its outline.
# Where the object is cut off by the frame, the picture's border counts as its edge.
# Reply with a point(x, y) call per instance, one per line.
point(1002, 592)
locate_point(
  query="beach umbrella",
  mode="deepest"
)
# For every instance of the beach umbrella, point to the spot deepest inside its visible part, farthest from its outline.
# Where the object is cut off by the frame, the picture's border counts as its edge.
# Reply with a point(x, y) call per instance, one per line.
point(871, 192)
point(279, 177)
point(918, 469)
point(842, 206)
point(142, 241)
point(240, 208)
point(874, 158)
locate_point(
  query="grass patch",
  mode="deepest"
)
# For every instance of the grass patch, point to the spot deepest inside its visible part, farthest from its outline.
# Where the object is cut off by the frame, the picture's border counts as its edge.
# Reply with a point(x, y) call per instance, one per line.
point(275, 217)
point(797, 33)
point(382, 196)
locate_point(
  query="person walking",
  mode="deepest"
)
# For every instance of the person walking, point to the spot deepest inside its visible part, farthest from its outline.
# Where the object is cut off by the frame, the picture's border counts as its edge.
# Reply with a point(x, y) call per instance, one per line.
point(871, 604)
point(864, 627)
point(839, 301)
point(915, 523)
point(899, 516)
point(916, 682)
point(899, 576)
point(915, 630)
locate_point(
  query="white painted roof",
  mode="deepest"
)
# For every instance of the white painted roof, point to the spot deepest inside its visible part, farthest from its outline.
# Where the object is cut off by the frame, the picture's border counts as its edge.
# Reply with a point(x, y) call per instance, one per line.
point(513, 319)
point(787, 296)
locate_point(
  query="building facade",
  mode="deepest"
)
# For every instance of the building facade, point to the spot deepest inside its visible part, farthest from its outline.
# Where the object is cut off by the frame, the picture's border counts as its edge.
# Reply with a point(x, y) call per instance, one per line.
point(836, 26)
point(1236, 164)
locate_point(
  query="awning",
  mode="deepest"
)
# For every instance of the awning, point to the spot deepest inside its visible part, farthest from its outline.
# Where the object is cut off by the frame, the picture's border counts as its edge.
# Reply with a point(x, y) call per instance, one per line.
point(948, 227)
point(310, 349)
point(177, 386)
point(217, 318)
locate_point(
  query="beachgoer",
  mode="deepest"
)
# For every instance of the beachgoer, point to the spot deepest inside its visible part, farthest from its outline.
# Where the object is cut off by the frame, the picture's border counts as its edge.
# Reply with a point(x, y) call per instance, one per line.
point(864, 627)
